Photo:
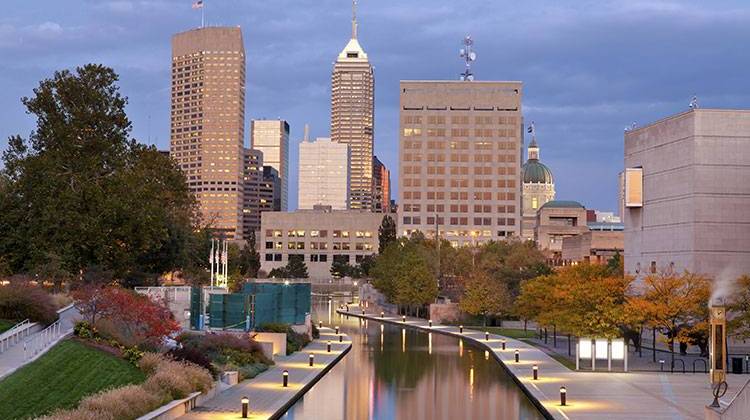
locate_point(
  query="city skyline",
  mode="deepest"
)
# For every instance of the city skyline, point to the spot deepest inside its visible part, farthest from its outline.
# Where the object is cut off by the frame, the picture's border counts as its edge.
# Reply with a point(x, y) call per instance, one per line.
point(580, 86)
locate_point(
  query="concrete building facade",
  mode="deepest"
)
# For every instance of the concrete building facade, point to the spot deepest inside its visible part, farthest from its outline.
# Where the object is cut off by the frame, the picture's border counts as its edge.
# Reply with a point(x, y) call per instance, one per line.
point(594, 246)
point(272, 138)
point(460, 160)
point(323, 174)
point(353, 116)
point(687, 195)
point(253, 177)
point(207, 121)
point(557, 220)
point(319, 236)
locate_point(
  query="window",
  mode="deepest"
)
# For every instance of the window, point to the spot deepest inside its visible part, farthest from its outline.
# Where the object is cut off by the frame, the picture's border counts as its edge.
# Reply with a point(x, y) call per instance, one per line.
point(340, 234)
point(269, 245)
point(653, 267)
point(269, 257)
point(341, 259)
point(296, 233)
point(277, 257)
point(534, 203)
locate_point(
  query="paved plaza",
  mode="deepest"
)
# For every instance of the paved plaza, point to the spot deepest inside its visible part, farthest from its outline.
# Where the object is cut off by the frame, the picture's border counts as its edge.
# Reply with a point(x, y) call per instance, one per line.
point(268, 398)
point(592, 395)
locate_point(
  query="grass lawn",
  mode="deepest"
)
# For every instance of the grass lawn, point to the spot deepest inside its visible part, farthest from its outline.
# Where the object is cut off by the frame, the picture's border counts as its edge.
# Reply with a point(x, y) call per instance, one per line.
point(507, 332)
point(61, 378)
point(5, 325)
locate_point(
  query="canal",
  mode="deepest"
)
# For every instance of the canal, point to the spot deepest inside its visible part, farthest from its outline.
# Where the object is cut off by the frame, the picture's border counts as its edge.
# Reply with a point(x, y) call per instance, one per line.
point(395, 373)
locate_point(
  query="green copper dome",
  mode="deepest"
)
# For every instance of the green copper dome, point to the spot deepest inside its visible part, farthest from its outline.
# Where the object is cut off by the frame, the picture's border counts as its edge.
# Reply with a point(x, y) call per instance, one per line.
point(534, 171)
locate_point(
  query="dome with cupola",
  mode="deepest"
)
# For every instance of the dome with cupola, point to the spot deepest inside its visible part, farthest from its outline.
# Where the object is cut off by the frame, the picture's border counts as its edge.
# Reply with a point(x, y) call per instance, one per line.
point(534, 171)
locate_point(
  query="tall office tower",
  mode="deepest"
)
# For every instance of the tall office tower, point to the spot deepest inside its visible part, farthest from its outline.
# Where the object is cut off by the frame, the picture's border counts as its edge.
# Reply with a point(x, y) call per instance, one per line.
point(272, 138)
point(253, 177)
point(352, 116)
point(323, 174)
point(460, 159)
point(208, 119)
point(381, 190)
point(270, 190)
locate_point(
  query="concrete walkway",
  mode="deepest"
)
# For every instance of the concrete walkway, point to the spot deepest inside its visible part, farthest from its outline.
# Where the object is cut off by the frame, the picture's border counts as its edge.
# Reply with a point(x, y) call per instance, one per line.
point(15, 357)
point(590, 395)
point(268, 399)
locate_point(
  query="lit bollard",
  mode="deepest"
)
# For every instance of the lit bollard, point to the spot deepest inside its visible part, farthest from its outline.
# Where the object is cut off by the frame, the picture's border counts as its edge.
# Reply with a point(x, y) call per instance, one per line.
point(563, 395)
point(486, 336)
point(245, 406)
point(382, 314)
point(503, 343)
point(661, 363)
point(329, 346)
point(337, 329)
point(403, 318)
point(320, 324)
point(312, 359)
point(430, 322)
point(535, 370)
point(285, 378)
point(517, 354)
point(341, 338)
point(460, 329)
point(363, 311)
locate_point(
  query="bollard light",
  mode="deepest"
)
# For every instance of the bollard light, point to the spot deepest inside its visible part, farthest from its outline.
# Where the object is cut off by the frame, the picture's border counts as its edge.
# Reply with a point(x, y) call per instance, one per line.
point(320, 324)
point(341, 338)
point(312, 359)
point(661, 363)
point(517, 356)
point(563, 396)
point(363, 311)
point(382, 314)
point(461, 329)
point(430, 322)
point(337, 329)
point(403, 318)
point(329, 346)
point(486, 336)
point(285, 378)
point(503, 343)
point(245, 405)
point(535, 370)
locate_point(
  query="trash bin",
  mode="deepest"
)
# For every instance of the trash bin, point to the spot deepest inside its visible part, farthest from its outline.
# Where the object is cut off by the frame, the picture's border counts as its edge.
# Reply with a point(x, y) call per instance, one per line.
point(737, 365)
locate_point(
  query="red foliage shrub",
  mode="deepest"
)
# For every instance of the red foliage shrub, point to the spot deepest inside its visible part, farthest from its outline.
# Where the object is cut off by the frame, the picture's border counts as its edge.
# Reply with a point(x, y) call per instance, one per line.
point(21, 301)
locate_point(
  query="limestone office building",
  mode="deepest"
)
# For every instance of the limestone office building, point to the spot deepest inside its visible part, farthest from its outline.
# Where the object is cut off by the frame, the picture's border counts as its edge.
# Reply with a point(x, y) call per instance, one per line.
point(686, 194)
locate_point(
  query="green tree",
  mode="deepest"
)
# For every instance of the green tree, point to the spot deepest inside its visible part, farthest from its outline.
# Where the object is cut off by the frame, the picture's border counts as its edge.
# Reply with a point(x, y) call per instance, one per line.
point(615, 265)
point(79, 192)
point(385, 270)
point(415, 282)
point(364, 268)
point(386, 233)
point(249, 259)
point(484, 296)
point(295, 268)
point(340, 269)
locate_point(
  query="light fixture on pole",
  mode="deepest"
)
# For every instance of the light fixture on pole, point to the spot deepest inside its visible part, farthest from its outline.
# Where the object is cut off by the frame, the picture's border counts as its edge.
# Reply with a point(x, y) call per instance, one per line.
point(460, 329)
point(517, 356)
point(245, 406)
point(312, 359)
point(285, 378)
point(486, 336)
point(329, 346)
point(503, 343)
point(563, 395)
point(535, 371)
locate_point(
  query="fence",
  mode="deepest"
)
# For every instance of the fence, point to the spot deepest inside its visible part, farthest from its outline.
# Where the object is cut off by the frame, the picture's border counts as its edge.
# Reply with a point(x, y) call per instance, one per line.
point(14, 335)
point(43, 339)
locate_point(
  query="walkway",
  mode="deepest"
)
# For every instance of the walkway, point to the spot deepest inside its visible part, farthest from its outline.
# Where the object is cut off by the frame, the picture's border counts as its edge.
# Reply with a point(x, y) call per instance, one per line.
point(268, 399)
point(590, 395)
point(15, 357)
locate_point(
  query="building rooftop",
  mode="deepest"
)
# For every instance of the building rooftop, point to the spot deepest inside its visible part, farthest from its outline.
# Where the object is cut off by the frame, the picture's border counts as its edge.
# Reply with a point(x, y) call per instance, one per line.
point(563, 204)
point(534, 171)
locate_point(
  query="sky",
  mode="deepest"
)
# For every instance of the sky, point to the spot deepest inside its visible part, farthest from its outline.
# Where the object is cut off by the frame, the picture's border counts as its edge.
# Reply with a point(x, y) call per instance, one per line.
point(589, 68)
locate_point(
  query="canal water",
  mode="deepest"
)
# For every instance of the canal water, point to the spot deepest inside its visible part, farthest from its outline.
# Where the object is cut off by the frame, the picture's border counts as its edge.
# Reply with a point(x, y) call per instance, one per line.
point(395, 373)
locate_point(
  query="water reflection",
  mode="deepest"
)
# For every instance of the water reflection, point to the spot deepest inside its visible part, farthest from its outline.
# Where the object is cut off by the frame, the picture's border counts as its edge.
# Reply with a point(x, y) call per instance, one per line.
point(395, 373)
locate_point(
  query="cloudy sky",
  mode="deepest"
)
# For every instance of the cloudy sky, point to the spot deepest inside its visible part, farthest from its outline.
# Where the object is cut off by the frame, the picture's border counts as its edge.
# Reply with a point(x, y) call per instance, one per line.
point(589, 68)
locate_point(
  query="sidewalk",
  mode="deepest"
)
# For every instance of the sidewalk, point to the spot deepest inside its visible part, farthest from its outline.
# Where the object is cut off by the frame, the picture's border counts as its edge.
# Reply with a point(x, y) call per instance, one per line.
point(268, 399)
point(15, 358)
point(590, 395)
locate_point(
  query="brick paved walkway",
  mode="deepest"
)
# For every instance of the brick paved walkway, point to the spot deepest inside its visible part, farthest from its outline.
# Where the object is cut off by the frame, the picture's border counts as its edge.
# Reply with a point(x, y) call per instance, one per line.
point(267, 396)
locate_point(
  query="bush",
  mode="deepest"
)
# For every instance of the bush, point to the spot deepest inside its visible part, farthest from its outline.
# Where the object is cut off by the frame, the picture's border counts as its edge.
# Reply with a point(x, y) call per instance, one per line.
point(78, 414)
point(149, 362)
point(19, 302)
point(192, 355)
point(178, 379)
point(315, 331)
point(294, 341)
point(61, 300)
point(132, 355)
point(128, 402)
point(84, 330)
point(251, 371)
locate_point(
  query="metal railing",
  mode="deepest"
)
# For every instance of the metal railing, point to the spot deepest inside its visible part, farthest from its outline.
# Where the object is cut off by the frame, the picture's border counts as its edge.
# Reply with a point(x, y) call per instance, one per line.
point(41, 340)
point(14, 335)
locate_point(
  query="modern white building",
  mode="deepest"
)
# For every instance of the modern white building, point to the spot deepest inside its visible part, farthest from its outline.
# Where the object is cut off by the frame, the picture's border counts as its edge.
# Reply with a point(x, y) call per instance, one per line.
point(272, 138)
point(323, 174)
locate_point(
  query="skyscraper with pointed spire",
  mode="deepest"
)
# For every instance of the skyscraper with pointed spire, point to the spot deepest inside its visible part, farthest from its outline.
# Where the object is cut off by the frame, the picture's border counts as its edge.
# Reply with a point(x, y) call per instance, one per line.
point(353, 115)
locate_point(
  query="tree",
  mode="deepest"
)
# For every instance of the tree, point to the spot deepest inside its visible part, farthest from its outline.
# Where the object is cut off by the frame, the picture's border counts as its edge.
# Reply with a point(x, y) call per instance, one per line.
point(364, 268)
point(295, 269)
point(249, 259)
point(739, 306)
point(615, 265)
point(675, 304)
point(340, 269)
point(415, 282)
point(385, 270)
point(484, 296)
point(79, 192)
point(386, 233)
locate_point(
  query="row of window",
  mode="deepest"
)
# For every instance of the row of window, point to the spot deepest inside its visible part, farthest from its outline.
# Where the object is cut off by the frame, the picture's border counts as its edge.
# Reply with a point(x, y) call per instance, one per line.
point(458, 195)
point(459, 221)
point(315, 257)
point(456, 208)
point(277, 233)
point(459, 119)
point(459, 158)
point(460, 183)
point(344, 246)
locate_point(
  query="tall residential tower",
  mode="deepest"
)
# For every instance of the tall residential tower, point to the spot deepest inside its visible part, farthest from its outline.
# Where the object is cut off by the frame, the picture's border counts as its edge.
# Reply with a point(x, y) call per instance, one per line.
point(208, 119)
point(352, 116)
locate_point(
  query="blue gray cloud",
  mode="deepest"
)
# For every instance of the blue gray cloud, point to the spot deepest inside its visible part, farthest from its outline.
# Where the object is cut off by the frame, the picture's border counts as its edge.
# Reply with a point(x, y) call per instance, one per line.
point(589, 67)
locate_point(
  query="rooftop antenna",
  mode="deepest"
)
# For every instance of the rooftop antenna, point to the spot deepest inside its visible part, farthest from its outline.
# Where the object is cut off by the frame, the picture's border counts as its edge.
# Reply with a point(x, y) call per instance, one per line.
point(307, 133)
point(354, 19)
point(694, 103)
point(469, 56)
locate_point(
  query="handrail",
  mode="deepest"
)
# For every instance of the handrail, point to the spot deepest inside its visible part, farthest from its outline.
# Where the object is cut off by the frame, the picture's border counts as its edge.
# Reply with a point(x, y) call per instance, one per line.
point(12, 329)
point(43, 339)
point(14, 334)
point(705, 365)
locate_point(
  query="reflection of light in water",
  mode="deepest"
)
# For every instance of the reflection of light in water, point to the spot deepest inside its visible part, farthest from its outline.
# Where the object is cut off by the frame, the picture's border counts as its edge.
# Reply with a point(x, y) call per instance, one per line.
point(403, 340)
point(471, 383)
point(486, 355)
point(429, 342)
point(382, 339)
point(461, 348)
point(382, 327)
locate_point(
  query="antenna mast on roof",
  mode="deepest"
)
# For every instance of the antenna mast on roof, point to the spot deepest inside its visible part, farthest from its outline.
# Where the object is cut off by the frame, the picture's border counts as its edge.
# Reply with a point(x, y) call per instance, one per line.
point(307, 133)
point(469, 56)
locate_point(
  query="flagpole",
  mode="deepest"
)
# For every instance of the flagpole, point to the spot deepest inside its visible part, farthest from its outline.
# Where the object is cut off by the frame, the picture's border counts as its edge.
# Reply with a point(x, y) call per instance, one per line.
point(211, 260)
point(203, 15)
